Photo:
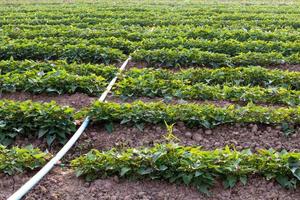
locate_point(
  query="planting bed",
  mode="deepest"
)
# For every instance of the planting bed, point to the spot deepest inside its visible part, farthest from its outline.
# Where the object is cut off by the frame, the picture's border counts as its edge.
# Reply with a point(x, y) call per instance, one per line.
point(207, 108)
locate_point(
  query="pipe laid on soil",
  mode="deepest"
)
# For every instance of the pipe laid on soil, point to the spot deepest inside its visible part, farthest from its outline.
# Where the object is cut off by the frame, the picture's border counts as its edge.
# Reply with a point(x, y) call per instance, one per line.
point(38, 176)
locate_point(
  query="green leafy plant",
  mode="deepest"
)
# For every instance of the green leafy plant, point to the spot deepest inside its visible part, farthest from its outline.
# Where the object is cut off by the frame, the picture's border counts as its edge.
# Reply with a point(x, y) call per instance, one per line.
point(55, 81)
point(41, 120)
point(18, 160)
point(18, 67)
point(170, 136)
point(190, 165)
point(216, 84)
point(20, 50)
point(205, 115)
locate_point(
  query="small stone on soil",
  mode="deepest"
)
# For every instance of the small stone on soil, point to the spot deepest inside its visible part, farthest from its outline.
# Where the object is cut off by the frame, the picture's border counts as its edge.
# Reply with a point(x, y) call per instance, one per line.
point(188, 134)
point(176, 131)
point(254, 128)
point(197, 137)
point(208, 132)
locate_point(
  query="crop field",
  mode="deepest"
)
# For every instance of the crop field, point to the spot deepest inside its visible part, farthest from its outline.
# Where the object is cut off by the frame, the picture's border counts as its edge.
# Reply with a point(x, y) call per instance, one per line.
point(208, 106)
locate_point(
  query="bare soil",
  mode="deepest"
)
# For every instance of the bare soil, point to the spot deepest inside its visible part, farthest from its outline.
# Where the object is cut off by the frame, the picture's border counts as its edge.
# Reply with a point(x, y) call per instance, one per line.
point(61, 184)
point(241, 136)
point(238, 136)
point(295, 68)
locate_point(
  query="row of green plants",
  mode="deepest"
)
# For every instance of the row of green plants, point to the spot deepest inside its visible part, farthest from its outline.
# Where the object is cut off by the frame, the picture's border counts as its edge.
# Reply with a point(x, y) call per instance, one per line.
point(138, 33)
point(194, 57)
point(171, 162)
point(18, 160)
point(71, 53)
point(53, 82)
point(119, 43)
point(194, 8)
point(230, 47)
point(143, 83)
point(250, 84)
point(243, 76)
point(200, 91)
point(169, 19)
point(138, 20)
point(204, 115)
point(162, 57)
point(108, 13)
point(51, 122)
point(47, 121)
point(190, 165)
point(15, 66)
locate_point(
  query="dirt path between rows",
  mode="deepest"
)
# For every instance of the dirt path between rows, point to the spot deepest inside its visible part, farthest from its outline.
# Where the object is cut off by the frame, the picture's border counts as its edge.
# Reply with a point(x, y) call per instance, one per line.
point(61, 184)
point(239, 136)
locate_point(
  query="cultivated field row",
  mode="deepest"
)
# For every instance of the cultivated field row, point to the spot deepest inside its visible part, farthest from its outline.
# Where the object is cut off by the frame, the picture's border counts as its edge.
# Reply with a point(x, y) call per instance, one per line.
point(211, 99)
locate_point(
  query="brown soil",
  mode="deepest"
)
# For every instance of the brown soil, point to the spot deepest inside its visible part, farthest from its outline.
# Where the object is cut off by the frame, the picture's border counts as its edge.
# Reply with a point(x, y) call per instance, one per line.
point(295, 68)
point(62, 184)
point(77, 100)
point(139, 65)
point(241, 136)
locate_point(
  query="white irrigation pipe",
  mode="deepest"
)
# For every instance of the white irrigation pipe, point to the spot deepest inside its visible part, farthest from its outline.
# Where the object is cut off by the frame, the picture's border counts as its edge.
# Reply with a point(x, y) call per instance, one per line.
point(38, 176)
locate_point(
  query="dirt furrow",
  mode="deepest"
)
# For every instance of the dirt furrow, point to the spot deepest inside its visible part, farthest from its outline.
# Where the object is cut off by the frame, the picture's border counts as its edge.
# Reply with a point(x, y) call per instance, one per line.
point(63, 185)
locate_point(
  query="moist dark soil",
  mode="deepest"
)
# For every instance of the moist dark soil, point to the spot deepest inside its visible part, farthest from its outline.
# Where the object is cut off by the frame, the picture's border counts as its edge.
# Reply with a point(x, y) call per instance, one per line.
point(240, 136)
point(62, 184)
point(77, 100)
point(295, 68)
point(237, 136)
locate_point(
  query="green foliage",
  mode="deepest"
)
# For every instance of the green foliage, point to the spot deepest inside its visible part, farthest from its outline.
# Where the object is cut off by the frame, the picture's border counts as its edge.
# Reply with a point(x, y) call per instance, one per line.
point(190, 165)
point(40, 120)
point(165, 35)
point(138, 33)
point(19, 160)
point(60, 77)
point(176, 57)
point(181, 57)
point(240, 76)
point(18, 67)
point(253, 84)
point(55, 81)
point(20, 50)
point(229, 46)
point(205, 115)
